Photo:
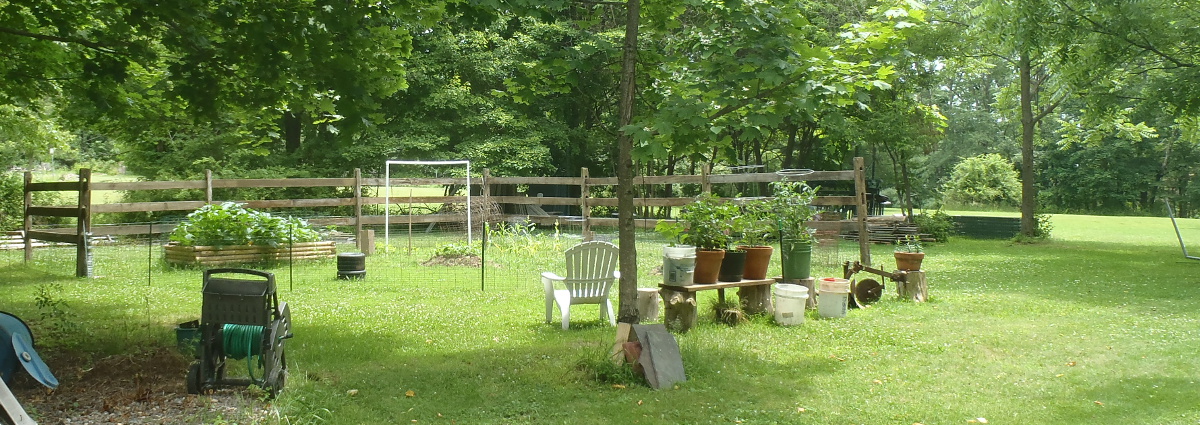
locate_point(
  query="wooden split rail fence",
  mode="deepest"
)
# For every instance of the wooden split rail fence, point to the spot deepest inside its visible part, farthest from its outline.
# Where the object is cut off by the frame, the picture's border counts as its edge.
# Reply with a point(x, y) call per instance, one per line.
point(84, 210)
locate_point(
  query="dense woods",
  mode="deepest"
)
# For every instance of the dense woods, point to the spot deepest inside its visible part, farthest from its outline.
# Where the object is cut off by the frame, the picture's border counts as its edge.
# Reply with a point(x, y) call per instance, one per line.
point(1092, 104)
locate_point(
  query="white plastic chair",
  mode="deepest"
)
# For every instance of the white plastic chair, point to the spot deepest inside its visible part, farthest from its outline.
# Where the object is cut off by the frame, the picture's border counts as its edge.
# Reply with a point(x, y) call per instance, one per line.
point(591, 271)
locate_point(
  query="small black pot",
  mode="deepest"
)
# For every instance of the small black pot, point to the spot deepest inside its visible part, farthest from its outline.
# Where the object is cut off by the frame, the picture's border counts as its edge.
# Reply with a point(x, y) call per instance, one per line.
point(732, 266)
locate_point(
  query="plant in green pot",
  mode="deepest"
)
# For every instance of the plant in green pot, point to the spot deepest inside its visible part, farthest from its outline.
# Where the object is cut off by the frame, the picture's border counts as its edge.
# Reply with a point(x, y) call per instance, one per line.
point(792, 208)
point(755, 229)
point(707, 222)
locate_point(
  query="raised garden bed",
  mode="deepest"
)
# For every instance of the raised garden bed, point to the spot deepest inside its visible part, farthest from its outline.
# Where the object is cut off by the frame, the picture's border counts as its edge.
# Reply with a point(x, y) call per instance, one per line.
point(237, 254)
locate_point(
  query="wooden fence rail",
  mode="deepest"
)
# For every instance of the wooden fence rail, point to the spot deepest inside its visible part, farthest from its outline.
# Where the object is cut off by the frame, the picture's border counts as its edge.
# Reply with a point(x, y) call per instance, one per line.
point(84, 209)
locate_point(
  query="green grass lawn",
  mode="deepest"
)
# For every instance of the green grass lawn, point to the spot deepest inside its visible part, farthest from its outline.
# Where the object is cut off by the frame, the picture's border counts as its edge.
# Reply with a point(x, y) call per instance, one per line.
point(1098, 326)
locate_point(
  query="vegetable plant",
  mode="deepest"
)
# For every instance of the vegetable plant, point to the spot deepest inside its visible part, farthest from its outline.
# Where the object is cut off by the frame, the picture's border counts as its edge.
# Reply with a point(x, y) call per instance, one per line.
point(230, 223)
point(708, 221)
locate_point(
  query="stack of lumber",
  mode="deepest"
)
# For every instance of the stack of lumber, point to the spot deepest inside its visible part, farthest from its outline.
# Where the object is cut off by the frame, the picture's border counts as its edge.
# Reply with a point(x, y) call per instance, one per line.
point(890, 233)
point(16, 240)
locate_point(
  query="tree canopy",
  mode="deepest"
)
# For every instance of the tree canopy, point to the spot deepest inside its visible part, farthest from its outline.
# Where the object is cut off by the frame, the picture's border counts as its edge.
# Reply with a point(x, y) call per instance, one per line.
point(1097, 102)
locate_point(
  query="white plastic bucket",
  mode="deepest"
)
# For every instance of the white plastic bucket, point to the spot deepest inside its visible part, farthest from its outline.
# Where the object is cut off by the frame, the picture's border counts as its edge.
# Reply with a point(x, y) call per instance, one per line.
point(678, 271)
point(834, 284)
point(679, 251)
point(789, 303)
point(833, 297)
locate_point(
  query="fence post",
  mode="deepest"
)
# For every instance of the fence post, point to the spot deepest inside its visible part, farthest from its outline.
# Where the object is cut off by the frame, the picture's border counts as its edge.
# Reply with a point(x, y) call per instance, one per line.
point(584, 210)
point(208, 197)
point(860, 197)
point(705, 185)
point(358, 230)
point(28, 218)
point(83, 226)
point(485, 193)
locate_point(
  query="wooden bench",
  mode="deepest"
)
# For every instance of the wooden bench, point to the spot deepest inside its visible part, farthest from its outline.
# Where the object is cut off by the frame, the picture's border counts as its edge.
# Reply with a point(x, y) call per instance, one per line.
point(680, 301)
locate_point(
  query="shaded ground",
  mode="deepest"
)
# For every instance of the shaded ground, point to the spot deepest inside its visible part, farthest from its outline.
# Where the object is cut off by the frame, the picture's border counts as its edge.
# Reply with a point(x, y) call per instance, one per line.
point(146, 388)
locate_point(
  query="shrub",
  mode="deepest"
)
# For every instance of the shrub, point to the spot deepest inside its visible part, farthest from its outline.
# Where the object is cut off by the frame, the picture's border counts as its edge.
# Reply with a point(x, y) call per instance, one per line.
point(987, 179)
point(937, 224)
point(231, 224)
point(12, 203)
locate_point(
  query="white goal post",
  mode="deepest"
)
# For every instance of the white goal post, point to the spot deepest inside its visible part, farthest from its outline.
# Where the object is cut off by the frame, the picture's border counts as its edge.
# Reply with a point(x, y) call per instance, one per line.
point(387, 184)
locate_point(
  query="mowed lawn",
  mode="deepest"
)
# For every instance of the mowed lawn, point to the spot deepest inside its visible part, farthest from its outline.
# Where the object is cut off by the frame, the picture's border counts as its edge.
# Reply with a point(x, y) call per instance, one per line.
point(1101, 325)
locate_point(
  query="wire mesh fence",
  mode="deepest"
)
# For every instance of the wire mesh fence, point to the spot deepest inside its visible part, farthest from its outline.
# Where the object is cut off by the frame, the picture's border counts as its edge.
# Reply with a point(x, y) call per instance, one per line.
point(500, 256)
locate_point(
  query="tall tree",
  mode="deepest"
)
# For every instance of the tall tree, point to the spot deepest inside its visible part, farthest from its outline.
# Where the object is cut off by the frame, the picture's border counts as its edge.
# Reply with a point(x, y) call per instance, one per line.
point(627, 288)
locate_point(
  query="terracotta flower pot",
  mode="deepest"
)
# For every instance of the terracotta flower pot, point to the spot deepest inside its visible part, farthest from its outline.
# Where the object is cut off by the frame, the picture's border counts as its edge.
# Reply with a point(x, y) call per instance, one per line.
point(909, 260)
point(757, 260)
point(708, 265)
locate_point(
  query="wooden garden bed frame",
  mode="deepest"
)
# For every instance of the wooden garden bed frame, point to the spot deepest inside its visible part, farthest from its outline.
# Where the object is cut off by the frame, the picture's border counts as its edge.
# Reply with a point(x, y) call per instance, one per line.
point(237, 254)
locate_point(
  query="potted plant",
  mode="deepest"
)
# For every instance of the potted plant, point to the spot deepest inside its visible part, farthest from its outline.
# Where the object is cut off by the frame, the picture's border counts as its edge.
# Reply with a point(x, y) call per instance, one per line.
point(909, 253)
point(792, 207)
point(707, 221)
point(679, 260)
point(755, 228)
point(673, 231)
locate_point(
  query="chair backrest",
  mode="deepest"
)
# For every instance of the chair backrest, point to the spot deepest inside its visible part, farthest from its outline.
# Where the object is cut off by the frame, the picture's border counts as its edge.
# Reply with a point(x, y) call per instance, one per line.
point(591, 268)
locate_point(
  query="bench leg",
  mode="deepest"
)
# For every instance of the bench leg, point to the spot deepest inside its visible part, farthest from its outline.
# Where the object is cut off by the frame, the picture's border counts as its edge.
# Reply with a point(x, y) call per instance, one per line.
point(680, 310)
point(755, 299)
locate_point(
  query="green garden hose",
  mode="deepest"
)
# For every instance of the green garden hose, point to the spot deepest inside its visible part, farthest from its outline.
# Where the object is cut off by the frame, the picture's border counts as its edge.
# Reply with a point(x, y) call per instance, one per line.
point(243, 341)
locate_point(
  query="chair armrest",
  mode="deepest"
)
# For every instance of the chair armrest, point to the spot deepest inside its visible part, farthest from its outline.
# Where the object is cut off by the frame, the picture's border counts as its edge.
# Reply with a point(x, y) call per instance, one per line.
point(548, 279)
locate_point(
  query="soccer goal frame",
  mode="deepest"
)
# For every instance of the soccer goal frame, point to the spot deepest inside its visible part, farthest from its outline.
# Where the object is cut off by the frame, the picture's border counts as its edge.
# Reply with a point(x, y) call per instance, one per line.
point(387, 193)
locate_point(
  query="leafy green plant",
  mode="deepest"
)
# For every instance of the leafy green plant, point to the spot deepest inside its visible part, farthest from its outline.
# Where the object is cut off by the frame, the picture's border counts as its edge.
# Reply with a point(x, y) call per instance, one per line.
point(523, 236)
point(453, 250)
point(988, 179)
point(671, 230)
point(911, 244)
point(1044, 227)
point(230, 223)
point(1040, 233)
point(937, 224)
point(792, 207)
point(708, 221)
point(755, 226)
point(57, 320)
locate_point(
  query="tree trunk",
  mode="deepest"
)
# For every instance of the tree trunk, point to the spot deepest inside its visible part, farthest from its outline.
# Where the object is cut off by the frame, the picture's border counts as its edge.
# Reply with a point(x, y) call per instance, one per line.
point(906, 182)
point(789, 149)
point(291, 131)
point(1028, 190)
point(627, 287)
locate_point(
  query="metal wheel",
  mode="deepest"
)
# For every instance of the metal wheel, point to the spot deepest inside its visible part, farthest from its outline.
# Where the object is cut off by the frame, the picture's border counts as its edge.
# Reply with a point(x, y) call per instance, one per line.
point(273, 388)
point(193, 379)
point(868, 291)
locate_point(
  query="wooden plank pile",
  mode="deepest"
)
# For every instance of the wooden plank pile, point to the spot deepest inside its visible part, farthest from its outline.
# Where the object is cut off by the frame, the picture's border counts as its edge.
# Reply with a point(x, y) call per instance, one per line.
point(890, 233)
point(16, 240)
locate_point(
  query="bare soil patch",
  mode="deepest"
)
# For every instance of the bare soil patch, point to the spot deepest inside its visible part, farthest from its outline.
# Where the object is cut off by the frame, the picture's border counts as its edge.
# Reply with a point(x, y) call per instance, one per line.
point(457, 260)
point(146, 388)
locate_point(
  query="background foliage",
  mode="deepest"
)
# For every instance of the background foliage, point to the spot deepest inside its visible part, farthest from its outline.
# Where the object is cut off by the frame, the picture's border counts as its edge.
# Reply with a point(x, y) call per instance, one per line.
point(290, 89)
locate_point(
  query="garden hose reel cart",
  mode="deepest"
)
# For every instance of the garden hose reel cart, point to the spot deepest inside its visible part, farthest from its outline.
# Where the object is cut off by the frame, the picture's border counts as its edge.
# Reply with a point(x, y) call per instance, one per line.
point(241, 322)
